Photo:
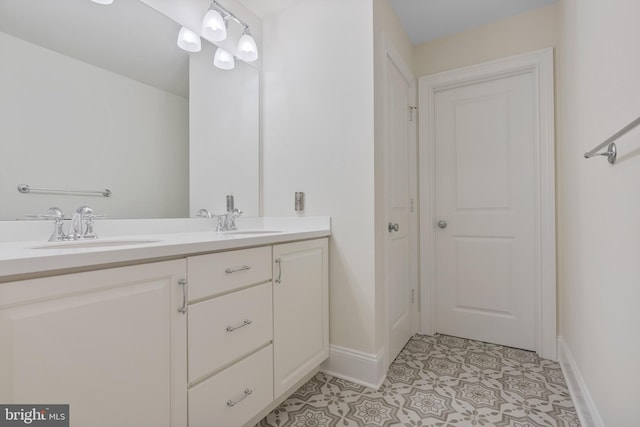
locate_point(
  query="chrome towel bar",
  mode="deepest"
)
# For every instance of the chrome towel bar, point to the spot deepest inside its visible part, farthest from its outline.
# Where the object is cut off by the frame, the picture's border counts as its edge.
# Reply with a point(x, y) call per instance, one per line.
point(25, 188)
point(612, 151)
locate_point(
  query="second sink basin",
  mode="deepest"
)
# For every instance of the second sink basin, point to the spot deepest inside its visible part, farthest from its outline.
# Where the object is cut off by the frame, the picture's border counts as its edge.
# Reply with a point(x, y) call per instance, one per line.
point(83, 244)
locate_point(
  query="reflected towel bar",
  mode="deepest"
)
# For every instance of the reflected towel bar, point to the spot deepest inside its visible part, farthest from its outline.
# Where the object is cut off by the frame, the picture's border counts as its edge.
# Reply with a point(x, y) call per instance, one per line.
point(612, 151)
point(25, 188)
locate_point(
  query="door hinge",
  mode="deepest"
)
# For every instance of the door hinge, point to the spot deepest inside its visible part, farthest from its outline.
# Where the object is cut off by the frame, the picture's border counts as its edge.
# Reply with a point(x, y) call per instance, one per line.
point(412, 111)
point(411, 205)
point(413, 296)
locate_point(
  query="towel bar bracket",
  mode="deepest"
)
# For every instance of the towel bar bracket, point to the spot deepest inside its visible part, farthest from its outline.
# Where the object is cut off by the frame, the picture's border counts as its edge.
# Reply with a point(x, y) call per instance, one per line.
point(611, 153)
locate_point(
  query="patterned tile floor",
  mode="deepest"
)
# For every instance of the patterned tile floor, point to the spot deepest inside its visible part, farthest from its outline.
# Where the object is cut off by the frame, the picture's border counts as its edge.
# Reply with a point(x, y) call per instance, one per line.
point(439, 381)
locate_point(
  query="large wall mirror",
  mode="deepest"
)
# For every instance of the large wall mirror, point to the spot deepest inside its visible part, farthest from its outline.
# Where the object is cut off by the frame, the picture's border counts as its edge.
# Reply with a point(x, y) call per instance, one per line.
point(97, 97)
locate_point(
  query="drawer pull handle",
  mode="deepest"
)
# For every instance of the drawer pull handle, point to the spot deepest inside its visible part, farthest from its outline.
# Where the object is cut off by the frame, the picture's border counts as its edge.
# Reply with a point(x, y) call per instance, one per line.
point(183, 308)
point(279, 262)
point(233, 328)
point(235, 270)
point(247, 392)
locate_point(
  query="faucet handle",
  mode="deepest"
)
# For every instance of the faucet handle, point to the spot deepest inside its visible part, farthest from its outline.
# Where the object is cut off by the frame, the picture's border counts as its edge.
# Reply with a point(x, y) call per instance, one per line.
point(204, 213)
point(233, 215)
point(58, 231)
point(88, 231)
point(54, 212)
point(220, 224)
point(51, 213)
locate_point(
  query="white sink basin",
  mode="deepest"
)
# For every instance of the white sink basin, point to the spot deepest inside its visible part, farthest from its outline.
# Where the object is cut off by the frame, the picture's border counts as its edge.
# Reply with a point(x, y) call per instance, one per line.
point(252, 232)
point(92, 244)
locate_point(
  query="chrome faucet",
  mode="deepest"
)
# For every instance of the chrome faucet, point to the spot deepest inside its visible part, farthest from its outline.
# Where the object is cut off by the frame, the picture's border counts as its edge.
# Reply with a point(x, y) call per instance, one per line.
point(228, 221)
point(82, 224)
point(57, 216)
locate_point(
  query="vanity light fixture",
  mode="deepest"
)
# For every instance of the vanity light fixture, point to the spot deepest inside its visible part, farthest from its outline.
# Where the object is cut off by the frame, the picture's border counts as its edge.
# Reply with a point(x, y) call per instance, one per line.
point(188, 40)
point(102, 1)
point(247, 49)
point(214, 26)
point(224, 60)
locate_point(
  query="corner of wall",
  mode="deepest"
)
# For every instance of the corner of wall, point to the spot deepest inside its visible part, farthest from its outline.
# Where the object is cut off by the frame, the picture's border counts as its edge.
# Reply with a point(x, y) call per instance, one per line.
point(586, 409)
point(366, 369)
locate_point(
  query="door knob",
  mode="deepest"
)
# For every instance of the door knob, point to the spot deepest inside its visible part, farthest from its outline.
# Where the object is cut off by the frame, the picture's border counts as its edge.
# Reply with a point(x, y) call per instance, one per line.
point(393, 227)
point(442, 223)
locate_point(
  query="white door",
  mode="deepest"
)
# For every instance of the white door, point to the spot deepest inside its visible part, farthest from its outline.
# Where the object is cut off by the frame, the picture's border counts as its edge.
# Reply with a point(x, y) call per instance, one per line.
point(484, 208)
point(398, 152)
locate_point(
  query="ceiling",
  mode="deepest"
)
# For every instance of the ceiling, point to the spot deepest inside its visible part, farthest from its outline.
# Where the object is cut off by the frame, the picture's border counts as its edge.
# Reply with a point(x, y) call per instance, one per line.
point(425, 20)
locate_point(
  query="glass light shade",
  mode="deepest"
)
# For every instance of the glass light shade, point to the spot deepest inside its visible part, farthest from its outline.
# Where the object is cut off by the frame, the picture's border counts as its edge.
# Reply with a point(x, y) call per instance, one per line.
point(224, 60)
point(188, 40)
point(102, 1)
point(213, 26)
point(247, 49)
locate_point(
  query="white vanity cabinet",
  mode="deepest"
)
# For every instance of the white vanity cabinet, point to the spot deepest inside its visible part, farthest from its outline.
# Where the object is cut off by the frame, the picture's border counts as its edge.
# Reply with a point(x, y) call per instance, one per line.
point(111, 343)
point(258, 325)
point(301, 311)
point(207, 340)
point(230, 320)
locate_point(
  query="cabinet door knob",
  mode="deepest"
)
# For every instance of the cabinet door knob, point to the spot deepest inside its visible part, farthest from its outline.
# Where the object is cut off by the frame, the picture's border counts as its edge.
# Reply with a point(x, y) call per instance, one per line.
point(442, 223)
point(393, 227)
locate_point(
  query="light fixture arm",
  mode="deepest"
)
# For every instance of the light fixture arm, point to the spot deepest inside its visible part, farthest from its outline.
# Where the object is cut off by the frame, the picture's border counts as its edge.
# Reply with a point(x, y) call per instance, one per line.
point(227, 14)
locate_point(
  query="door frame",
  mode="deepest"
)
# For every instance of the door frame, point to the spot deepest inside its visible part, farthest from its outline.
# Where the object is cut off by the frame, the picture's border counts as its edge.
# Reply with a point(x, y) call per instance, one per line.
point(540, 64)
point(389, 52)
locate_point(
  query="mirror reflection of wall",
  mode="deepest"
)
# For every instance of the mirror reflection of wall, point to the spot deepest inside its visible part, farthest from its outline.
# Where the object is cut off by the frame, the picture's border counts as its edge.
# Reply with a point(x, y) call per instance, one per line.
point(224, 156)
point(101, 100)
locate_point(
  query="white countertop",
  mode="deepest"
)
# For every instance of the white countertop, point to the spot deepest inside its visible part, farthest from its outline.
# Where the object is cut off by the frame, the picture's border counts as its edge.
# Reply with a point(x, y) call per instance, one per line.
point(158, 239)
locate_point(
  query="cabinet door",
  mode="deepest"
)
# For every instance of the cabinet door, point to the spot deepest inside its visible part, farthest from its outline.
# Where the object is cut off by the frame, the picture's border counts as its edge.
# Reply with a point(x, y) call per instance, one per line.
point(301, 311)
point(110, 343)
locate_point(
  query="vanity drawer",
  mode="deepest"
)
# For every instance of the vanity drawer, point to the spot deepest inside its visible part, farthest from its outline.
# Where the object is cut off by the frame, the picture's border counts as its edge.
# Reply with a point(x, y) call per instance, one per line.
point(226, 328)
point(217, 273)
point(209, 401)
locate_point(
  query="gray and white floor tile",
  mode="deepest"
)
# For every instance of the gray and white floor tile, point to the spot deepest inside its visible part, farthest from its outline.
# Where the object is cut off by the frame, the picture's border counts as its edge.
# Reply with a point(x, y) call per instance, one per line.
point(439, 381)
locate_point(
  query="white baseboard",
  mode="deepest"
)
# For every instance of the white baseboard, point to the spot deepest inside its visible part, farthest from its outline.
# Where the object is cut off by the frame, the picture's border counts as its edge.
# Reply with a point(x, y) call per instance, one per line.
point(366, 369)
point(586, 409)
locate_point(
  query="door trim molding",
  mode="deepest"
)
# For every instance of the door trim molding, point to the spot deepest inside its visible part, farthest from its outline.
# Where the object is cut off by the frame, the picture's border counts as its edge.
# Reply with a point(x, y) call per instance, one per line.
point(540, 65)
point(386, 50)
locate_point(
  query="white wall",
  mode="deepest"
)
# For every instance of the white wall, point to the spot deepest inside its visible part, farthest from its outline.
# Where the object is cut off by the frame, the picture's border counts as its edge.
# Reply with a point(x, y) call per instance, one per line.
point(318, 138)
point(600, 272)
point(115, 134)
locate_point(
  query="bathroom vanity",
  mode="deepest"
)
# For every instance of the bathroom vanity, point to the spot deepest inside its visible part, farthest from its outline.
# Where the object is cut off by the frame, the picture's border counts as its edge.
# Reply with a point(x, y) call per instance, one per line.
point(191, 328)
